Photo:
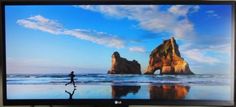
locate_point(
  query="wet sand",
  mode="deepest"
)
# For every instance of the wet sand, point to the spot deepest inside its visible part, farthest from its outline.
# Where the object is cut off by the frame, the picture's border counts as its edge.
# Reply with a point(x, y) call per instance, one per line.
point(49, 91)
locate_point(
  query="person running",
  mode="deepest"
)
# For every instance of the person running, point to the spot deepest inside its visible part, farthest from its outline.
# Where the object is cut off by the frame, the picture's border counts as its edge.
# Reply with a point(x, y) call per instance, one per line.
point(71, 75)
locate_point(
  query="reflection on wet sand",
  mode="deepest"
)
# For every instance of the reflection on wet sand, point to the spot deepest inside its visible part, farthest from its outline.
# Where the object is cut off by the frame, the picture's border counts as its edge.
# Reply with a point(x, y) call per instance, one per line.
point(70, 93)
point(168, 91)
point(119, 91)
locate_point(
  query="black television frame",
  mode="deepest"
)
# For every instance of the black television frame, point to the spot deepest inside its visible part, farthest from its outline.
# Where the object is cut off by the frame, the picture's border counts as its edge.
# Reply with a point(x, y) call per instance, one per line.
point(111, 102)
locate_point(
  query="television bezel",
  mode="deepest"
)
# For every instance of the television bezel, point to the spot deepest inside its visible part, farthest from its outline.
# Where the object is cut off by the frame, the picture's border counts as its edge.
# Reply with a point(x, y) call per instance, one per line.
point(109, 101)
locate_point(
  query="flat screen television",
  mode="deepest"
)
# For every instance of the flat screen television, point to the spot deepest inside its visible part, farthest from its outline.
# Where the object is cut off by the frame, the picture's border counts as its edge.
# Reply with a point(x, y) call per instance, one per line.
point(118, 52)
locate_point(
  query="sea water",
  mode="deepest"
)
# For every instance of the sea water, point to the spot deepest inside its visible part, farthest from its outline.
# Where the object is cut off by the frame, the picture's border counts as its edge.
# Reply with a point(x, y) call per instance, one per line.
point(128, 86)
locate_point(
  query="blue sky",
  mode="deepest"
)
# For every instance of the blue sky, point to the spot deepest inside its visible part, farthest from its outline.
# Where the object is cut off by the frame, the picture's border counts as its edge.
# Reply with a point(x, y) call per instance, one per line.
point(61, 38)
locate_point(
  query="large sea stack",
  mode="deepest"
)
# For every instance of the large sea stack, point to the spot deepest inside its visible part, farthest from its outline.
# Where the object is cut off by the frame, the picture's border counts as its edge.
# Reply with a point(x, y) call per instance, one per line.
point(123, 66)
point(166, 58)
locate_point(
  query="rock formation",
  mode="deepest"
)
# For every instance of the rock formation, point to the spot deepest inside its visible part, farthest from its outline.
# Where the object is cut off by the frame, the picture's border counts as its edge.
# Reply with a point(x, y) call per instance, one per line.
point(123, 66)
point(166, 58)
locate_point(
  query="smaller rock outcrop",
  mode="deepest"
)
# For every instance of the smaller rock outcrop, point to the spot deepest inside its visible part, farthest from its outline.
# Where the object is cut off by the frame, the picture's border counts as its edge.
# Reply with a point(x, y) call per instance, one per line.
point(123, 66)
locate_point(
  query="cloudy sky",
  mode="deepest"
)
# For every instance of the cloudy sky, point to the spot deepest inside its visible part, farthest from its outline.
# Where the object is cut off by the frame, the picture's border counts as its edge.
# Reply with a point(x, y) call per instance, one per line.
point(58, 39)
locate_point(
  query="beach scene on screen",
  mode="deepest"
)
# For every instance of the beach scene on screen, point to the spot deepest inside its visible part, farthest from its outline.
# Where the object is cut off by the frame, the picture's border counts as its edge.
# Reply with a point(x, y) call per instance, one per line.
point(161, 52)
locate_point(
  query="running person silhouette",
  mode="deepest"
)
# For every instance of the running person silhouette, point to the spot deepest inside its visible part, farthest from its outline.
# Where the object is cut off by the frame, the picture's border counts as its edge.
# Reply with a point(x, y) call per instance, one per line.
point(71, 75)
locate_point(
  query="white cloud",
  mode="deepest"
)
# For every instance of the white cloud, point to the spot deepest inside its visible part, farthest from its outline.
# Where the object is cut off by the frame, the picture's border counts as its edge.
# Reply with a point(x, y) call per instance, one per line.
point(210, 54)
point(96, 37)
point(137, 49)
point(212, 13)
point(41, 23)
point(151, 18)
point(183, 28)
point(121, 11)
point(223, 48)
point(200, 56)
point(182, 10)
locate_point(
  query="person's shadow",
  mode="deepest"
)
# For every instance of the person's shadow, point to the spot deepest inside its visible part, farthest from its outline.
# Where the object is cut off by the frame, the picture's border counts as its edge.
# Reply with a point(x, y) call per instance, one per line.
point(70, 93)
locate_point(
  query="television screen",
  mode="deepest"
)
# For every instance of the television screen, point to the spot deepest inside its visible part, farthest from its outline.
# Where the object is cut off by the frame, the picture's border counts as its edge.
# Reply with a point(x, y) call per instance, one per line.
point(119, 52)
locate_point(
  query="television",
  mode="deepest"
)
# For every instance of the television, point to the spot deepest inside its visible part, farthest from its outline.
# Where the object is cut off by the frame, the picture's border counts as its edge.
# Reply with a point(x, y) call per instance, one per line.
point(115, 52)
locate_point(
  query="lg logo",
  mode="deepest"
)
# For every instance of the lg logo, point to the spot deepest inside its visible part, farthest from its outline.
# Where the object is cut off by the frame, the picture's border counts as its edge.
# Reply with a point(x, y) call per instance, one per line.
point(118, 102)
